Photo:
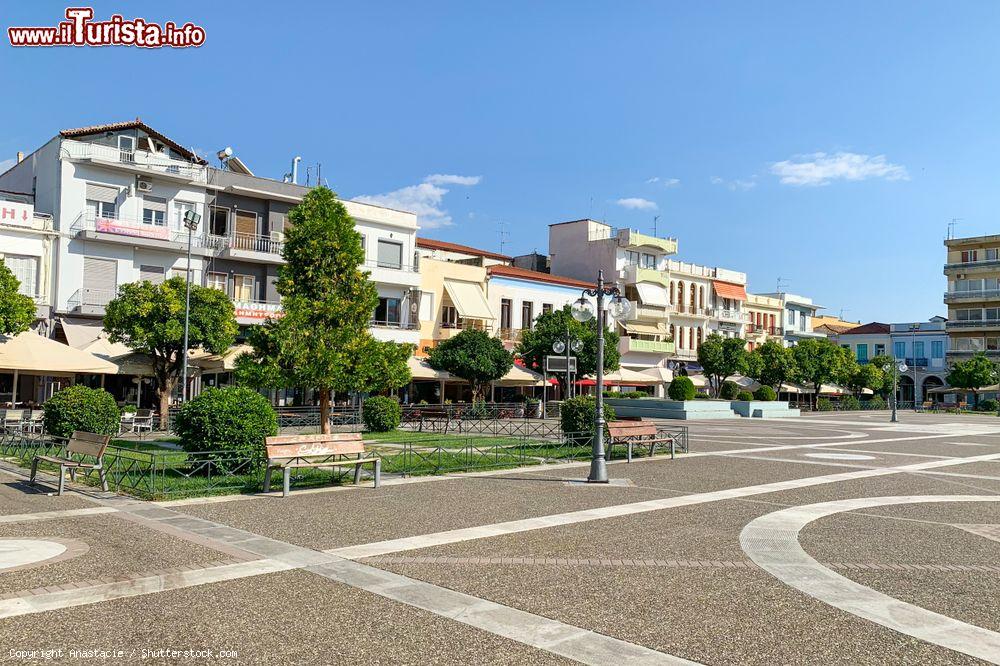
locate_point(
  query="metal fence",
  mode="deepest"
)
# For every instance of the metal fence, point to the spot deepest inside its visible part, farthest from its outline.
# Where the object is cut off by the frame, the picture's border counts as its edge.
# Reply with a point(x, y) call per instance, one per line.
point(156, 473)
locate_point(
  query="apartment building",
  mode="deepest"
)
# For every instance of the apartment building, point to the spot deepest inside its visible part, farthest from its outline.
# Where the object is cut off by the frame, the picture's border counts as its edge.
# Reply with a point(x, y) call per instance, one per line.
point(704, 300)
point(27, 239)
point(764, 317)
point(118, 193)
point(797, 317)
point(972, 269)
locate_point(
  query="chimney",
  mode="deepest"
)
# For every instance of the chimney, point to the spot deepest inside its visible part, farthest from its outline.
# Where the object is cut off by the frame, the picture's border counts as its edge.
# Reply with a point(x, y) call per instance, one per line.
point(20, 156)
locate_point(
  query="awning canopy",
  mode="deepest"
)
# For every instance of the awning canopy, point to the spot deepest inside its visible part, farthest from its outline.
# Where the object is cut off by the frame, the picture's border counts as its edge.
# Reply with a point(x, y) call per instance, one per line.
point(521, 376)
point(621, 377)
point(128, 361)
point(652, 294)
point(420, 369)
point(32, 354)
point(730, 290)
point(224, 362)
point(469, 299)
point(644, 329)
point(662, 374)
point(81, 332)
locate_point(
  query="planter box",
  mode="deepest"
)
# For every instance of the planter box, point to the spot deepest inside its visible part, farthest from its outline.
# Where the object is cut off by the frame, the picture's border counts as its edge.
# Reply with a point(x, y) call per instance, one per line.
point(761, 409)
point(657, 408)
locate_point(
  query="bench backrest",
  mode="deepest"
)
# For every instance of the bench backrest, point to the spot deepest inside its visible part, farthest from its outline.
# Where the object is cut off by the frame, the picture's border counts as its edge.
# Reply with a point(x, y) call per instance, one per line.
point(631, 429)
point(13, 415)
point(88, 443)
point(304, 446)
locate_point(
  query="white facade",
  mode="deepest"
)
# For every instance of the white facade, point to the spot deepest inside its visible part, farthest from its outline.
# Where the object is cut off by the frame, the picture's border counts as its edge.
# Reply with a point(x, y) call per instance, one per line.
point(27, 242)
point(518, 300)
point(797, 315)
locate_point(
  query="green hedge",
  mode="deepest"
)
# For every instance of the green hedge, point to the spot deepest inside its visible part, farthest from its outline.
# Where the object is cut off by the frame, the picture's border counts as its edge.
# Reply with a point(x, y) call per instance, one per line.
point(681, 388)
point(988, 405)
point(878, 402)
point(744, 395)
point(381, 414)
point(232, 419)
point(824, 405)
point(729, 390)
point(850, 403)
point(765, 394)
point(577, 415)
point(81, 408)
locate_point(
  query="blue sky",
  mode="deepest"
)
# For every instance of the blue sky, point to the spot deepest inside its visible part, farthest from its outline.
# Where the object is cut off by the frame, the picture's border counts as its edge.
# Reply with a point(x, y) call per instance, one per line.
point(825, 143)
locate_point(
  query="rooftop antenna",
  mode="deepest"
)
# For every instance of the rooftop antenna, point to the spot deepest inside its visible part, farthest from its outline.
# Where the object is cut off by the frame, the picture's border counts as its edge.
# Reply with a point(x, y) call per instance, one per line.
point(655, 218)
point(951, 226)
point(502, 233)
point(782, 282)
point(842, 311)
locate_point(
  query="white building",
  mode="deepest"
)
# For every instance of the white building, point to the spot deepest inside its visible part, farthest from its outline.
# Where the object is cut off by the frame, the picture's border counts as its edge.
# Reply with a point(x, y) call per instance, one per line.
point(27, 240)
point(798, 314)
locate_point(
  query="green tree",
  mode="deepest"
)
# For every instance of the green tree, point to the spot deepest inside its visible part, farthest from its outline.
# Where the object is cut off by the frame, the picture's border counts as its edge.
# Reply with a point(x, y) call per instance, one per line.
point(721, 358)
point(536, 344)
point(149, 318)
point(884, 363)
point(17, 311)
point(322, 340)
point(771, 364)
point(819, 361)
point(866, 376)
point(472, 355)
point(973, 374)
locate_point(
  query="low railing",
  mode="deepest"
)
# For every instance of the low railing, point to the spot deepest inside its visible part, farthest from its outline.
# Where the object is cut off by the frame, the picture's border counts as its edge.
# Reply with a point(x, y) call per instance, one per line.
point(401, 325)
point(973, 323)
point(729, 315)
point(693, 312)
point(127, 226)
point(391, 265)
point(135, 158)
point(977, 294)
point(87, 297)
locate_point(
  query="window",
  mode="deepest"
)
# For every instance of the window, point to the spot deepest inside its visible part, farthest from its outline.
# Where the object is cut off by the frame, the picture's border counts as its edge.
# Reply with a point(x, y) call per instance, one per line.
point(154, 210)
point(847, 347)
point(218, 281)
point(968, 344)
point(219, 222)
point(126, 143)
point(992, 344)
point(991, 254)
point(243, 287)
point(918, 349)
point(506, 316)
point(631, 258)
point(527, 314)
point(879, 350)
point(969, 255)
point(861, 352)
point(152, 274)
point(648, 260)
point(791, 317)
point(993, 313)
point(387, 311)
point(390, 254)
point(546, 308)
point(899, 349)
point(968, 315)
point(449, 316)
point(25, 269)
point(937, 349)
point(180, 208)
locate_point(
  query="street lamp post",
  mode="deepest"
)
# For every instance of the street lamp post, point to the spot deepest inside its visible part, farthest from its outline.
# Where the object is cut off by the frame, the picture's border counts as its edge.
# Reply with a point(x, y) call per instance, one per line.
point(583, 311)
point(896, 370)
point(570, 344)
point(191, 220)
point(913, 345)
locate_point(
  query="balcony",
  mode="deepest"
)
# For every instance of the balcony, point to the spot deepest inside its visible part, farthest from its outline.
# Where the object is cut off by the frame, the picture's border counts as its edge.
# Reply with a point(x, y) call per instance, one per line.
point(967, 324)
point(972, 295)
point(252, 311)
point(247, 247)
point(686, 354)
point(451, 329)
point(90, 301)
point(136, 161)
point(629, 344)
point(729, 315)
point(635, 274)
point(918, 362)
point(126, 229)
point(682, 310)
point(390, 272)
point(754, 329)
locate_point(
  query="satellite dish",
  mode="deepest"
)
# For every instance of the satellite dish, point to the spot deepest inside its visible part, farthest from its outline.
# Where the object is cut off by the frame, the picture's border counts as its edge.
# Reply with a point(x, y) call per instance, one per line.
point(225, 153)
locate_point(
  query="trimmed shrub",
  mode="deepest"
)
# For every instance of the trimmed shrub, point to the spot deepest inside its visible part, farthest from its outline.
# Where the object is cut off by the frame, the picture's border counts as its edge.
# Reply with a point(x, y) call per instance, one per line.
point(702, 396)
point(577, 415)
point(381, 414)
point(765, 394)
point(850, 403)
point(878, 402)
point(744, 395)
point(989, 405)
point(681, 388)
point(824, 405)
point(729, 390)
point(226, 423)
point(81, 408)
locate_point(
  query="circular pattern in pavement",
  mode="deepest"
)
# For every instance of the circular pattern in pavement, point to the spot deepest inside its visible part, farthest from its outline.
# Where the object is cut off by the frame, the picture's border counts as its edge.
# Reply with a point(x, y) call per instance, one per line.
point(839, 456)
point(26, 553)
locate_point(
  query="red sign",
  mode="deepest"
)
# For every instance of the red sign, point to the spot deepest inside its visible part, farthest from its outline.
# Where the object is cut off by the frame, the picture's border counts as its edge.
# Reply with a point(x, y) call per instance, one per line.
point(110, 226)
point(13, 212)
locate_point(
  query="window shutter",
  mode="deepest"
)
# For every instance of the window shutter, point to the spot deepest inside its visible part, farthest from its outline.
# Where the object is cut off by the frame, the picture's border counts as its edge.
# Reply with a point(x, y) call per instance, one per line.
point(104, 193)
point(100, 274)
point(152, 274)
point(154, 203)
point(25, 269)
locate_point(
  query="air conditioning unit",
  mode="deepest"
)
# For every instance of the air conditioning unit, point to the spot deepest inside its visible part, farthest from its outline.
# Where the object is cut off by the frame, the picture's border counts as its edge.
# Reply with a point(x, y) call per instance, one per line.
point(277, 236)
point(144, 186)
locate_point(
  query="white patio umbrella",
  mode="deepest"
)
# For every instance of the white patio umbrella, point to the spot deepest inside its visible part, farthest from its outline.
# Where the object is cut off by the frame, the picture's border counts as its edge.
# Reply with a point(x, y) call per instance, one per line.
point(30, 353)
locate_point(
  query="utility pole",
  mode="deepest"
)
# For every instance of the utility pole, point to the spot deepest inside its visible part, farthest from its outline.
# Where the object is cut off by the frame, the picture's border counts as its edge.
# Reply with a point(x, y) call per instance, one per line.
point(655, 218)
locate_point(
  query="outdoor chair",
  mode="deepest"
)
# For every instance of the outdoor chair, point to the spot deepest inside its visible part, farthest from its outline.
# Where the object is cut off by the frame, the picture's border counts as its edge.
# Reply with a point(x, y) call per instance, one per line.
point(13, 420)
point(143, 420)
point(36, 421)
point(127, 424)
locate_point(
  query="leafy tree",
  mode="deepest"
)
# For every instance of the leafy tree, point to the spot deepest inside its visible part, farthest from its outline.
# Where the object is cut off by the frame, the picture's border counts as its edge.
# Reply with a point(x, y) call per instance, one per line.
point(17, 311)
point(681, 388)
point(322, 340)
point(536, 344)
point(472, 355)
point(721, 358)
point(973, 374)
point(819, 361)
point(149, 318)
point(884, 363)
point(867, 376)
point(771, 364)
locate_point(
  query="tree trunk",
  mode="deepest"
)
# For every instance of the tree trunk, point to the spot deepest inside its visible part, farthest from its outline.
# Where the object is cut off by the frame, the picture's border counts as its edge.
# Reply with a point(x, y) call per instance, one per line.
point(164, 388)
point(324, 411)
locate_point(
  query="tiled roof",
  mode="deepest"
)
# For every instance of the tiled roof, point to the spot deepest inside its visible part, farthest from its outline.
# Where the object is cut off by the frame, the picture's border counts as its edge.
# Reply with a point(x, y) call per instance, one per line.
point(431, 244)
point(132, 124)
point(536, 276)
point(869, 329)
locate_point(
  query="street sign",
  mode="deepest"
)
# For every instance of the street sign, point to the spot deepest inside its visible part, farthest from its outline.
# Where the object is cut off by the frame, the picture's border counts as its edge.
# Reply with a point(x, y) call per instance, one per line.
point(558, 364)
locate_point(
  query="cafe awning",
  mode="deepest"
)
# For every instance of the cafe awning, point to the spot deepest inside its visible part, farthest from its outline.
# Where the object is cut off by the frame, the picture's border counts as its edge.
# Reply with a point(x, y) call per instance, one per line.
point(469, 299)
point(420, 369)
point(621, 377)
point(129, 362)
point(521, 376)
point(224, 362)
point(652, 294)
point(31, 353)
point(81, 332)
point(644, 329)
point(730, 290)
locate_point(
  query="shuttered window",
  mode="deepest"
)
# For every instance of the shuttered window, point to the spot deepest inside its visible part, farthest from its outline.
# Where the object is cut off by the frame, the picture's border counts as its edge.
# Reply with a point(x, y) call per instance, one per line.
point(100, 275)
point(154, 210)
point(390, 255)
point(25, 269)
point(104, 193)
point(154, 274)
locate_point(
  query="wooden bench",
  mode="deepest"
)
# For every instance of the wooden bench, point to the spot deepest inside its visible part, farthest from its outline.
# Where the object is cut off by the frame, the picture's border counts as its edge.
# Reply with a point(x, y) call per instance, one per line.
point(80, 444)
point(288, 452)
point(434, 418)
point(630, 433)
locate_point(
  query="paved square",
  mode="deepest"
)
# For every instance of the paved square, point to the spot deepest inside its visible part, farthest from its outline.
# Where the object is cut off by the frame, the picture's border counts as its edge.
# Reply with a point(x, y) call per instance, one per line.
point(831, 538)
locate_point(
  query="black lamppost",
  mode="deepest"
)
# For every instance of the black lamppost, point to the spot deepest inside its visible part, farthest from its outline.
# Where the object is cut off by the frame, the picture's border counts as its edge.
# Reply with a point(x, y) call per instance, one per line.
point(191, 220)
point(897, 368)
point(570, 344)
point(583, 311)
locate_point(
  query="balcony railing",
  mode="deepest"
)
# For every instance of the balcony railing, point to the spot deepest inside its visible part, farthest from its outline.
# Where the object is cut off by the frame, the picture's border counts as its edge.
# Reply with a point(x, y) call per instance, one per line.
point(89, 300)
point(391, 265)
point(691, 312)
point(729, 315)
point(242, 241)
point(386, 323)
point(981, 263)
point(973, 323)
point(122, 225)
point(919, 362)
point(978, 294)
point(142, 159)
point(650, 346)
point(764, 330)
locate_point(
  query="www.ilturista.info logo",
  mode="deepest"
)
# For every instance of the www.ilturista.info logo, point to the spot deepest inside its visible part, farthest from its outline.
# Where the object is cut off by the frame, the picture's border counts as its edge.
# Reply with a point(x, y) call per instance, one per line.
point(81, 30)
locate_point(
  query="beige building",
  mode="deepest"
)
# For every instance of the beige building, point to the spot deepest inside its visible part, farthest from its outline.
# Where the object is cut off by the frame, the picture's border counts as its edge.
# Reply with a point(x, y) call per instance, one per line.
point(763, 320)
point(973, 296)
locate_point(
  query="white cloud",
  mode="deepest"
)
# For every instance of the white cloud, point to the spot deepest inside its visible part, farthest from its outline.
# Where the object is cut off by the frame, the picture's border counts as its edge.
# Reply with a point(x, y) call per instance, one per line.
point(636, 203)
point(6, 164)
point(425, 199)
point(666, 182)
point(449, 179)
point(736, 185)
point(823, 168)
